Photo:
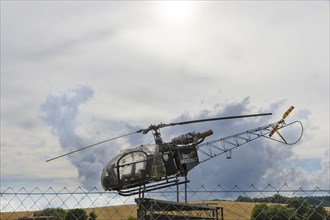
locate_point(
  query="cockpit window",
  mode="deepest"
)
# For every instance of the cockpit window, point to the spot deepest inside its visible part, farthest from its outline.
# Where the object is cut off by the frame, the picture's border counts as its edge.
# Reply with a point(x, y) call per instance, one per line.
point(132, 166)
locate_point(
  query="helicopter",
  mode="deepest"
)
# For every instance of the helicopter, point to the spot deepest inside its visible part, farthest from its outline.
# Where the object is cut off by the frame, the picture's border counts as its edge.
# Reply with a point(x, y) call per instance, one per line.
point(163, 164)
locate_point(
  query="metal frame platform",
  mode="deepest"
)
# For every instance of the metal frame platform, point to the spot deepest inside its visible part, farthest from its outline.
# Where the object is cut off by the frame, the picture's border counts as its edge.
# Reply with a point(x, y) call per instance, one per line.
point(165, 210)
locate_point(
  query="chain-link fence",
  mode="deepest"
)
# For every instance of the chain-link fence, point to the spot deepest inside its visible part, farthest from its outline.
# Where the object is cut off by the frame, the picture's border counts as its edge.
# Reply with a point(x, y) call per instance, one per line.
point(233, 203)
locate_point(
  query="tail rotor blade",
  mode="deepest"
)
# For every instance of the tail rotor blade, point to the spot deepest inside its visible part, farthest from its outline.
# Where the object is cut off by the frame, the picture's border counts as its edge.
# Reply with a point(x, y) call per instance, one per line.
point(283, 117)
point(287, 112)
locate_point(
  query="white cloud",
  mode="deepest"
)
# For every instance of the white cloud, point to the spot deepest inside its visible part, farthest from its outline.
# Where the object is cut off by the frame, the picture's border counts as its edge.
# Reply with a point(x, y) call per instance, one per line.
point(144, 71)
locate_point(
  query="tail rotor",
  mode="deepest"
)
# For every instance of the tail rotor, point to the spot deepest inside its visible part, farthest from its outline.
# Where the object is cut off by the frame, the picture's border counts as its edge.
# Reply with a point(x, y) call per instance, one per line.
point(275, 129)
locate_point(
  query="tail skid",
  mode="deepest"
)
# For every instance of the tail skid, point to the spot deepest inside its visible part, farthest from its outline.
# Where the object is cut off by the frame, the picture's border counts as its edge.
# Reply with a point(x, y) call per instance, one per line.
point(283, 140)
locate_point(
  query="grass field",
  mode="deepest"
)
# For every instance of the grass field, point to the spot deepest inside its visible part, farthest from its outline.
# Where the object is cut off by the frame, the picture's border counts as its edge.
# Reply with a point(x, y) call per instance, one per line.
point(231, 210)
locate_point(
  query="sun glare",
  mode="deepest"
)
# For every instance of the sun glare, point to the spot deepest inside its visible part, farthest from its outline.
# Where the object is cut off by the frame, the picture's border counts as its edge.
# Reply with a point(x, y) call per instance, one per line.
point(175, 12)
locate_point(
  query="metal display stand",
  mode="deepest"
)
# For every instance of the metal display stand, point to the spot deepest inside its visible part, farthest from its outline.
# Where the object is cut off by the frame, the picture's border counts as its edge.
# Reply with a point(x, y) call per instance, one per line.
point(165, 210)
point(149, 208)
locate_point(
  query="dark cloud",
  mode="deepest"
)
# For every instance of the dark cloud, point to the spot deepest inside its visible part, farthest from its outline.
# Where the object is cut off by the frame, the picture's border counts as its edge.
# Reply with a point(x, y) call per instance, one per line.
point(60, 112)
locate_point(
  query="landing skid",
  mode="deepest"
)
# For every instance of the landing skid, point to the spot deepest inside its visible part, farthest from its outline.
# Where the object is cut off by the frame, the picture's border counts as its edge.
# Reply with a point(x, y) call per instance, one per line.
point(174, 181)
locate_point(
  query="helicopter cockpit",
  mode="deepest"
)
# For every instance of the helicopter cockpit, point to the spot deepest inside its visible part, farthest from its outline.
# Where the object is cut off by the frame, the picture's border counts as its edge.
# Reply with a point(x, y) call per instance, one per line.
point(146, 163)
point(133, 166)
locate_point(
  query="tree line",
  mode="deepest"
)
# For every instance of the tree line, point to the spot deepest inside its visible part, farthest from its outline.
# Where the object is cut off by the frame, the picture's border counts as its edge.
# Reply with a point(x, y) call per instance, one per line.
point(61, 214)
point(277, 198)
point(294, 208)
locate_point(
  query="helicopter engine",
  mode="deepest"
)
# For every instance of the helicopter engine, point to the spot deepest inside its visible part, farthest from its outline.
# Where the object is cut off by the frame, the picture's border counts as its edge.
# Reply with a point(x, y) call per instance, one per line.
point(191, 138)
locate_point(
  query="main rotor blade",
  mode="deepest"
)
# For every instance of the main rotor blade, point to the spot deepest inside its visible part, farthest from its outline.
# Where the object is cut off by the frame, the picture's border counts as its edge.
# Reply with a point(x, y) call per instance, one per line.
point(155, 127)
point(161, 125)
point(215, 119)
point(89, 146)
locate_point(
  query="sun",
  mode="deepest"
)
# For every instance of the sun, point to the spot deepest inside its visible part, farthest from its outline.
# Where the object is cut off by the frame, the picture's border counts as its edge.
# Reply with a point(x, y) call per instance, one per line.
point(175, 12)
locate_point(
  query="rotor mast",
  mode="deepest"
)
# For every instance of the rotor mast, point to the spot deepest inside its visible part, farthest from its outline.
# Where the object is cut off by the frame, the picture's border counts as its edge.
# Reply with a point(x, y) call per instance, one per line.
point(158, 139)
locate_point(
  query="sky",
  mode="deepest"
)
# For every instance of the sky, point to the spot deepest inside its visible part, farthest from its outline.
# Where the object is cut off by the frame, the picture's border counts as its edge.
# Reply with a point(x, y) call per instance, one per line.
point(74, 73)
